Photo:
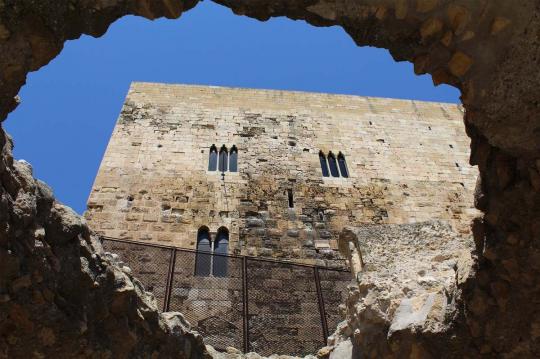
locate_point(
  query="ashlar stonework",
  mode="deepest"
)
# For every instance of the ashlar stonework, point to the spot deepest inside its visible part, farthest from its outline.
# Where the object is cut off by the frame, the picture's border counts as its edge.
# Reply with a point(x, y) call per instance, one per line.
point(406, 162)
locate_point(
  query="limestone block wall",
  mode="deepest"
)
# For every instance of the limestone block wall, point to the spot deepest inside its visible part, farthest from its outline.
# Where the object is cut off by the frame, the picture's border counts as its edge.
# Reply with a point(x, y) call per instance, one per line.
point(408, 162)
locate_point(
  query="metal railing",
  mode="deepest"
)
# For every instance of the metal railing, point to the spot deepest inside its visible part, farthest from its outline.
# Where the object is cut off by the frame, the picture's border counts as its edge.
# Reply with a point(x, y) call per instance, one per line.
point(251, 303)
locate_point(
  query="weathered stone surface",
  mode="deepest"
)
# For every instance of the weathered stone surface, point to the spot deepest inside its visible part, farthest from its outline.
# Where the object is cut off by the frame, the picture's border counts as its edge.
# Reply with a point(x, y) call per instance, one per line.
point(500, 93)
point(399, 168)
point(236, 354)
point(59, 291)
point(408, 284)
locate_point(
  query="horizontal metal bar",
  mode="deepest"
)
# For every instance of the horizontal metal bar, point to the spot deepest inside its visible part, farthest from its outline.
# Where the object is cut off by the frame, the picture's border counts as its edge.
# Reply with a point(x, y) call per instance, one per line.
point(189, 250)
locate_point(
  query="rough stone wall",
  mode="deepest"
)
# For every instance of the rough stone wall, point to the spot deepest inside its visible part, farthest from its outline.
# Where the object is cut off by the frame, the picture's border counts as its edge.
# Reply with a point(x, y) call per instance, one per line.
point(408, 285)
point(407, 162)
point(489, 50)
point(60, 296)
point(32, 33)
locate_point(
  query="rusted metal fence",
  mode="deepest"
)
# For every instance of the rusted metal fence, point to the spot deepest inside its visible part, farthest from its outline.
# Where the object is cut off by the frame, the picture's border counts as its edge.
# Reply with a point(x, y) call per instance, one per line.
point(249, 303)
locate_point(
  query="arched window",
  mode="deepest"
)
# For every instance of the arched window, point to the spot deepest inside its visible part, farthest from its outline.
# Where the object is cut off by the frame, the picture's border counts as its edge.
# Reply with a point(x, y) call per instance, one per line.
point(333, 164)
point(223, 159)
point(324, 164)
point(221, 248)
point(342, 165)
point(203, 259)
point(212, 158)
point(233, 159)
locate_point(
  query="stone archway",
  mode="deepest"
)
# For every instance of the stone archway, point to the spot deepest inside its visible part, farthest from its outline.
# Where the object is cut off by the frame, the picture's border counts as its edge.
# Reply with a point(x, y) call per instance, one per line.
point(57, 294)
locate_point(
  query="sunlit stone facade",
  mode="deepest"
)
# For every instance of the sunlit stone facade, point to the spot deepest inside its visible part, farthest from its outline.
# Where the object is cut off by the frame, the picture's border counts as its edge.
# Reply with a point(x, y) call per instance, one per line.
point(406, 161)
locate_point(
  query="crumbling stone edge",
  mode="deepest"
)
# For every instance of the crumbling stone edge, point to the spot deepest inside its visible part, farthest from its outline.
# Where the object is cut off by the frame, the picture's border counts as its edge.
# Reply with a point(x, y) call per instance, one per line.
point(58, 296)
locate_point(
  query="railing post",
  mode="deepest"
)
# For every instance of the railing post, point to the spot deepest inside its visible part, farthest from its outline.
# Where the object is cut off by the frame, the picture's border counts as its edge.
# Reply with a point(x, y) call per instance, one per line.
point(245, 302)
point(169, 284)
point(321, 304)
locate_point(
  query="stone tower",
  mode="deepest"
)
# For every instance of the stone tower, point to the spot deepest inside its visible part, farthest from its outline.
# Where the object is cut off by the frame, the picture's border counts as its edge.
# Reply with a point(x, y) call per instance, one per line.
point(299, 168)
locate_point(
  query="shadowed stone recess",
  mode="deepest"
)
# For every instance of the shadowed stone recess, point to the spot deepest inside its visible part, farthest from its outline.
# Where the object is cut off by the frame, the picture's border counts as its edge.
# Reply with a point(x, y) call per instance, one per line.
point(489, 50)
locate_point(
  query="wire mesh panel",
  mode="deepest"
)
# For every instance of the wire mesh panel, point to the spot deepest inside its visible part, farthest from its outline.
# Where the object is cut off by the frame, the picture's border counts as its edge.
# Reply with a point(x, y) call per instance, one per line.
point(148, 264)
point(334, 292)
point(284, 316)
point(283, 302)
point(207, 288)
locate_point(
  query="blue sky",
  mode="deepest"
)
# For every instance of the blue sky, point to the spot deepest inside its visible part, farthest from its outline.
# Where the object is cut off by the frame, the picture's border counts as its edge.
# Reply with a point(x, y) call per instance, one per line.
point(69, 107)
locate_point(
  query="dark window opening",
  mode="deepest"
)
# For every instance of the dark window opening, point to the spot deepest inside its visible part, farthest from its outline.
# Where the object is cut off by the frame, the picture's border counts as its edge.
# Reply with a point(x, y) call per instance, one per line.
point(233, 159)
point(223, 159)
point(343, 166)
point(324, 164)
point(291, 198)
point(203, 259)
point(333, 165)
point(221, 246)
point(212, 158)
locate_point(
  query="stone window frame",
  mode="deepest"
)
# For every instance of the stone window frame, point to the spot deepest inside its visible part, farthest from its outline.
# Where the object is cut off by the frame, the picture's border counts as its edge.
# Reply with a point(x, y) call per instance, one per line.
point(203, 258)
point(324, 164)
point(233, 159)
point(333, 165)
point(213, 158)
point(224, 159)
point(342, 165)
point(207, 263)
point(341, 169)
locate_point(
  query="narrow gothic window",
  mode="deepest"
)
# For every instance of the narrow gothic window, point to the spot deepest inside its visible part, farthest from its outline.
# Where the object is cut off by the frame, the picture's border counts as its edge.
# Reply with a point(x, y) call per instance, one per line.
point(221, 246)
point(203, 259)
point(291, 198)
point(233, 159)
point(324, 164)
point(212, 158)
point(223, 159)
point(342, 165)
point(333, 164)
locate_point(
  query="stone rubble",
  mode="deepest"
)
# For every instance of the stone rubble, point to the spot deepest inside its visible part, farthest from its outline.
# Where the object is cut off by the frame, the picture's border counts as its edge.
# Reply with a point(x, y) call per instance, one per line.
point(408, 284)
